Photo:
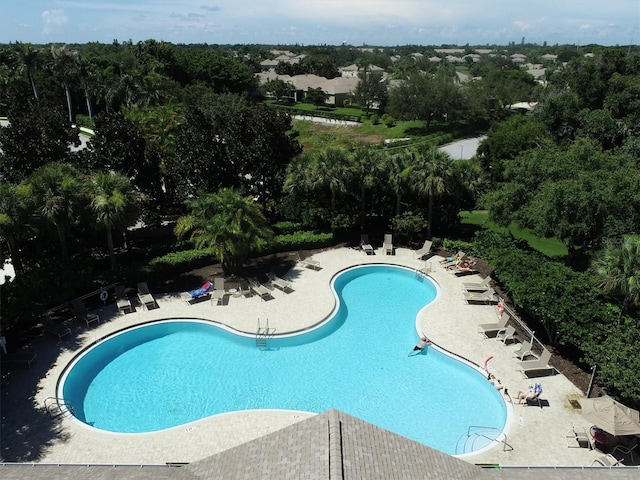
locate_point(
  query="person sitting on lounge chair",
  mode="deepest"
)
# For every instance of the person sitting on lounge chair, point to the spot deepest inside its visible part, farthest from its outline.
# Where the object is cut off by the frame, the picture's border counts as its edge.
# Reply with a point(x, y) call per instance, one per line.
point(530, 393)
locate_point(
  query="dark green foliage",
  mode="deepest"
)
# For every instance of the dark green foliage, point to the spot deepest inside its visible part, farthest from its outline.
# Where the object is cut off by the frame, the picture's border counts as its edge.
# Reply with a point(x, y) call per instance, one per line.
point(570, 309)
point(38, 133)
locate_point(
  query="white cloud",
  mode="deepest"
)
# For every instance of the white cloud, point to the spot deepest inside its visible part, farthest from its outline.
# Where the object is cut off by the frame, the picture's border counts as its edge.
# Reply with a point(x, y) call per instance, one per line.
point(53, 20)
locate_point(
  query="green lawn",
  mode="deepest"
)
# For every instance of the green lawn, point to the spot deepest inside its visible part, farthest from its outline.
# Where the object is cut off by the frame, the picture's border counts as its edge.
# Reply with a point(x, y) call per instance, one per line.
point(551, 247)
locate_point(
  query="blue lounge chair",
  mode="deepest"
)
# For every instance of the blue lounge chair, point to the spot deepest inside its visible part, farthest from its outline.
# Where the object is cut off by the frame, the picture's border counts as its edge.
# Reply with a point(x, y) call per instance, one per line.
point(199, 294)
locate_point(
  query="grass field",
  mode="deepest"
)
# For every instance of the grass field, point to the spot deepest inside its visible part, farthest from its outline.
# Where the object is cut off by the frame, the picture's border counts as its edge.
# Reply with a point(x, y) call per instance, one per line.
point(551, 247)
point(317, 136)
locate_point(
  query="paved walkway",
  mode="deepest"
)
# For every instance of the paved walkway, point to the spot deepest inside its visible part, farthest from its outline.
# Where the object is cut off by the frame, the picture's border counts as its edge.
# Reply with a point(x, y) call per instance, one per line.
point(30, 435)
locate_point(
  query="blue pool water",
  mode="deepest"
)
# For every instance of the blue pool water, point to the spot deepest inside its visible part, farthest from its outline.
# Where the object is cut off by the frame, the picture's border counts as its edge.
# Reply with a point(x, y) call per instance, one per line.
point(170, 373)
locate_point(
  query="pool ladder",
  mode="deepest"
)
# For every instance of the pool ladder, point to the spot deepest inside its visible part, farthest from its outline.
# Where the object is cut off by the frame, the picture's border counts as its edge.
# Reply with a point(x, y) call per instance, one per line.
point(55, 407)
point(263, 334)
point(466, 443)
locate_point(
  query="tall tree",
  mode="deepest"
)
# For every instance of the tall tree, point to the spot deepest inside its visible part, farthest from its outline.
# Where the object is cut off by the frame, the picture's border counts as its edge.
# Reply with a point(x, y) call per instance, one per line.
point(329, 169)
point(29, 59)
point(432, 175)
point(115, 205)
point(63, 66)
point(398, 168)
point(57, 193)
point(38, 133)
point(229, 223)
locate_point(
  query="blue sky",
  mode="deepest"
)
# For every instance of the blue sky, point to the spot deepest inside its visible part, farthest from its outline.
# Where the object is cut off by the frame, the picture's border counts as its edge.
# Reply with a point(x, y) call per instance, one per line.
point(314, 22)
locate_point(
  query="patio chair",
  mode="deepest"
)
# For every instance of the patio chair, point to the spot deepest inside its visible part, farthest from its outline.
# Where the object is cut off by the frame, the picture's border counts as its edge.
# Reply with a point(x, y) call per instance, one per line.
point(542, 363)
point(259, 289)
point(279, 283)
point(365, 245)
point(577, 438)
point(307, 262)
point(466, 267)
point(19, 358)
point(52, 328)
point(424, 250)
point(122, 301)
point(82, 314)
point(449, 261)
point(495, 327)
point(482, 286)
point(482, 298)
point(199, 294)
point(524, 350)
point(387, 245)
point(243, 289)
point(217, 296)
point(506, 334)
point(607, 460)
point(145, 297)
point(627, 447)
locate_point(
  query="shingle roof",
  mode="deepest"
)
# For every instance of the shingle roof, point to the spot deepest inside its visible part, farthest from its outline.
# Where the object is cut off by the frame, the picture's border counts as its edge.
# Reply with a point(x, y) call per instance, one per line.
point(333, 445)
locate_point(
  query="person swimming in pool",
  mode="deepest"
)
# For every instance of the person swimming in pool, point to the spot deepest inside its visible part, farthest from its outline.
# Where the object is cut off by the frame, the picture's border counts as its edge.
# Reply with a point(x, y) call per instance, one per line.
point(424, 341)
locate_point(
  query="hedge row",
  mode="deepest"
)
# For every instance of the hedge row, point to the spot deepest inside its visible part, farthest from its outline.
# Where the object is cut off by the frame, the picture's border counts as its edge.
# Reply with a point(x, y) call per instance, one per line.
point(177, 262)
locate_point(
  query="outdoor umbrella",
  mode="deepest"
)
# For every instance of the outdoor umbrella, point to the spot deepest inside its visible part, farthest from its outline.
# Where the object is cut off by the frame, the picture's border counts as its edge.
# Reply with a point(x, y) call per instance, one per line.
point(611, 416)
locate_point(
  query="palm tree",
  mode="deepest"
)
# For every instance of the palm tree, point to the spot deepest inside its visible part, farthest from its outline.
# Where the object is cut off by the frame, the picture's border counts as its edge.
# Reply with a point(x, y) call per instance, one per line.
point(87, 79)
point(398, 168)
point(618, 270)
point(232, 225)
point(63, 64)
point(330, 169)
point(115, 204)
point(57, 191)
point(432, 176)
point(365, 164)
point(28, 61)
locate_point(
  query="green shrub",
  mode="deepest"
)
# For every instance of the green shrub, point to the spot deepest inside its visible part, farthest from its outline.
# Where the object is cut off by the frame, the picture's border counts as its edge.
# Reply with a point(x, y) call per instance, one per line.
point(388, 120)
point(283, 228)
point(375, 119)
point(301, 241)
point(84, 121)
point(178, 262)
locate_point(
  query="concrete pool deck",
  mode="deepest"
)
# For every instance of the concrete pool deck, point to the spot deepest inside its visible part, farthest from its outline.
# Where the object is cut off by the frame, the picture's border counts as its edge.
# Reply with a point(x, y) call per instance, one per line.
point(537, 435)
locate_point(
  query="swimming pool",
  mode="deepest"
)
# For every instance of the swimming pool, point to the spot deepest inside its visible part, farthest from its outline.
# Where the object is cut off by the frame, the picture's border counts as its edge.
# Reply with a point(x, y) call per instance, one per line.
point(170, 373)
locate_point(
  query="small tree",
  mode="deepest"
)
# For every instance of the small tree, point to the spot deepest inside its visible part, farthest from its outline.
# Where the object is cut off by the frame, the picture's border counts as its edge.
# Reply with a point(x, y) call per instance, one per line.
point(231, 224)
point(316, 96)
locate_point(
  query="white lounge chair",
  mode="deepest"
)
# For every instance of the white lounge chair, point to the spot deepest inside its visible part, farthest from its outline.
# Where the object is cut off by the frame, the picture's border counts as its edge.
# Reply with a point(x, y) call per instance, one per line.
point(365, 245)
point(524, 350)
point(54, 329)
point(308, 262)
point(217, 296)
point(259, 289)
point(537, 364)
point(21, 358)
point(279, 283)
point(387, 245)
point(577, 438)
point(424, 250)
point(82, 314)
point(607, 460)
point(145, 297)
point(481, 297)
point(494, 327)
point(482, 286)
point(122, 301)
point(506, 334)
